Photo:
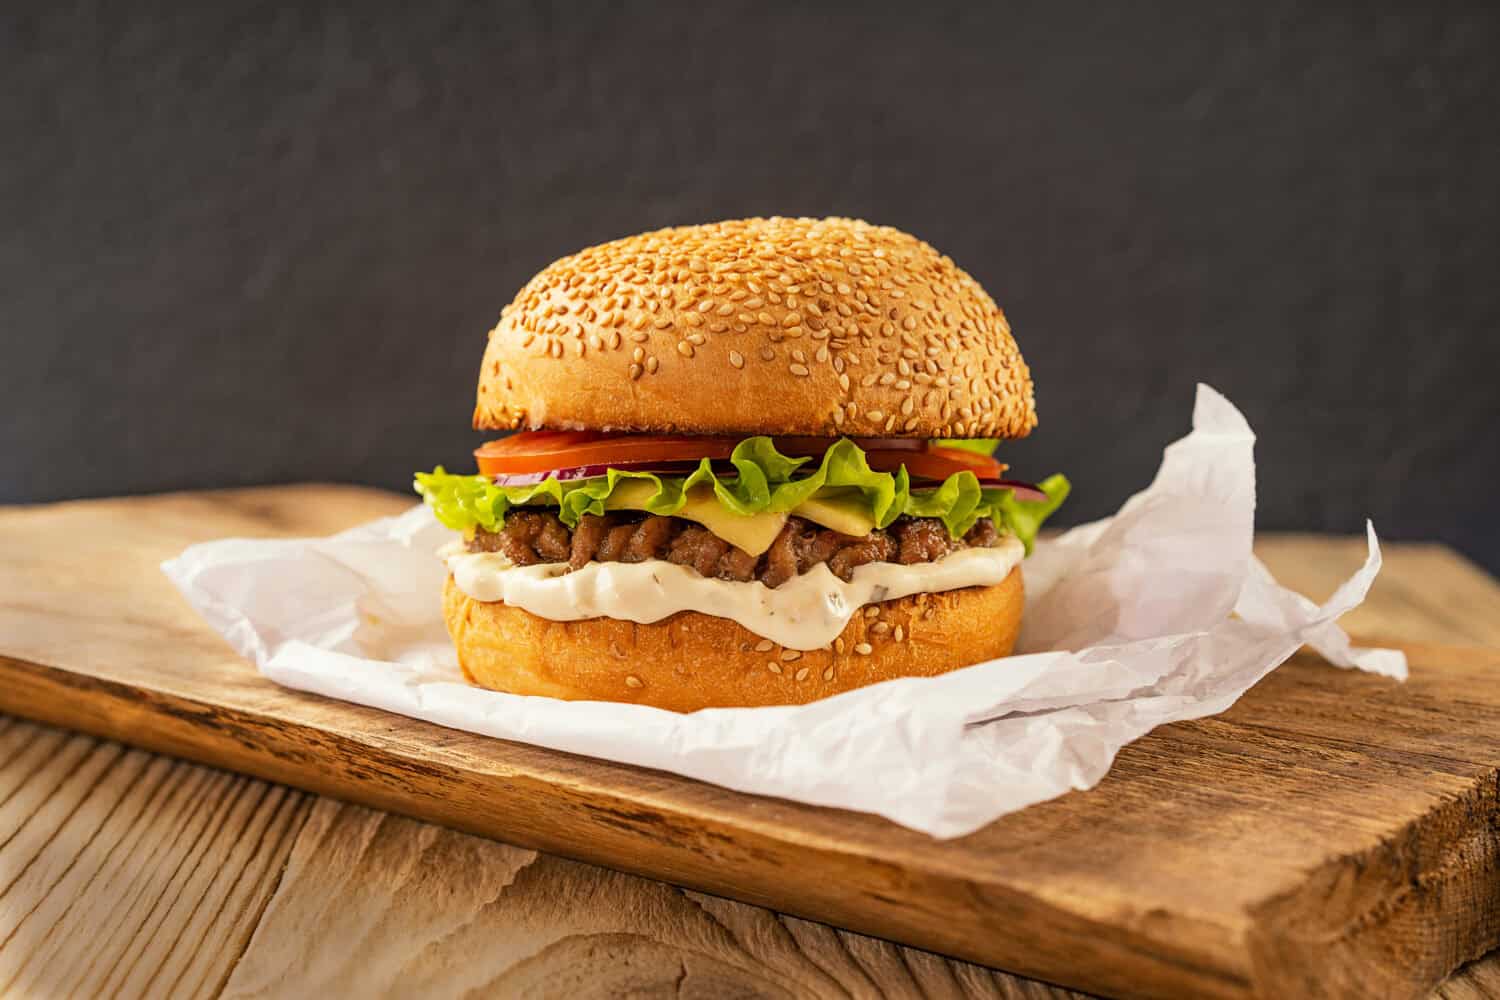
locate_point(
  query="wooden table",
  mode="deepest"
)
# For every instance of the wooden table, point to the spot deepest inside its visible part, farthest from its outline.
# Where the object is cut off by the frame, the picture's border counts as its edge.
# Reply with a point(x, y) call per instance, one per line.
point(123, 873)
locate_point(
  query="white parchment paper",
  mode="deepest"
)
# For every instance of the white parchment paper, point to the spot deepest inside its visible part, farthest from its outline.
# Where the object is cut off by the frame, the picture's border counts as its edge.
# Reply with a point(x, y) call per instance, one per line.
point(1156, 614)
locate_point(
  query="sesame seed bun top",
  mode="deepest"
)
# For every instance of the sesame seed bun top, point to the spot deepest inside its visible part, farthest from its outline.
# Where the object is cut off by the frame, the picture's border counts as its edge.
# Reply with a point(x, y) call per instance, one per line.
point(757, 326)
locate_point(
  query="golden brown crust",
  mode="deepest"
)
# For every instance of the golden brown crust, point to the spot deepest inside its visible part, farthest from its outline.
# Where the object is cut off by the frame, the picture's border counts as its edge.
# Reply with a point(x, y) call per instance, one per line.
point(691, 661)
point(767, 326)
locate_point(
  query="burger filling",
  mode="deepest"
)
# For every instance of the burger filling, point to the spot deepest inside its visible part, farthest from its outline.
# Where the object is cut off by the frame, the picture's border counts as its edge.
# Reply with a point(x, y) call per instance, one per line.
point(532, 537)
point(760, 509)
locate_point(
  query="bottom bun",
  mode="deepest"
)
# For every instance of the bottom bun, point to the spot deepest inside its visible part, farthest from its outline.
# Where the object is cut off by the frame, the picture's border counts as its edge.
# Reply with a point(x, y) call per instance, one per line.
point(691, 661)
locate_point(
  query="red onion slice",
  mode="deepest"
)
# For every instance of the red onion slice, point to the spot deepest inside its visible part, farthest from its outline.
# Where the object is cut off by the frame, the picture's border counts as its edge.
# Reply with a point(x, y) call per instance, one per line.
point(596, 471)
point(1023, 491)
point(519, 478)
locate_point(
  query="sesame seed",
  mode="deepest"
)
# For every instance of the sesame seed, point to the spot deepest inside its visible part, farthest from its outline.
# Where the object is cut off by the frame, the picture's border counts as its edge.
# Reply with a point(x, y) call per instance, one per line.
point(684, 348)
point(631, 680)
point(635, 371)
point(872, 611)
point(801, 675)
point(652, 364)
point(764, 646)
point(876, 415)
point(899, 634)
point(828, 674)
point(880, 628)
point(789, 655)
point(774, 667)
point(737, 359)
point(838, 645)
point(800, 370)
point(638, 355)
point(864, 649)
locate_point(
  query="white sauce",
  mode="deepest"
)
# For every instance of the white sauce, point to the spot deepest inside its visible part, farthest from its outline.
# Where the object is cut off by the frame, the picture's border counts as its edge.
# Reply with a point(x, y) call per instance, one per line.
point(806, 612)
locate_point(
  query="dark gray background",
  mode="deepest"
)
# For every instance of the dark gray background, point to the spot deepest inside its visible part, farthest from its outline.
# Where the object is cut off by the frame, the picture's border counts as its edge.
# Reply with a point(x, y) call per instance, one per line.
point(245, 244)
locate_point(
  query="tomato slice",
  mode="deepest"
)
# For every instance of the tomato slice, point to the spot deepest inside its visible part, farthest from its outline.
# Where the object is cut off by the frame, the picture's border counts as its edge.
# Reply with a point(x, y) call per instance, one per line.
point(550, 451)
point(936, 463)
point(545, 451)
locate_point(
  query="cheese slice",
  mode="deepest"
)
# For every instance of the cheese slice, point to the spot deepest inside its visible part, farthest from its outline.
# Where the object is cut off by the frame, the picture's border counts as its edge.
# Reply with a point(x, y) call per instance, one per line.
point(843, 511)
point(752, 532)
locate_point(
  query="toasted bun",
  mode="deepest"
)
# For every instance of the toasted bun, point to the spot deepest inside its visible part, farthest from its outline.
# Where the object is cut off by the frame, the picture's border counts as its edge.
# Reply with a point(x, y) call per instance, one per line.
point(691, 661)
point(757, 326)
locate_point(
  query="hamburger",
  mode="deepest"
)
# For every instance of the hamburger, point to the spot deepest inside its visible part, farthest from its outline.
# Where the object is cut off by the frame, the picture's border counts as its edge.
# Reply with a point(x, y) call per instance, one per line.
point(753, 465)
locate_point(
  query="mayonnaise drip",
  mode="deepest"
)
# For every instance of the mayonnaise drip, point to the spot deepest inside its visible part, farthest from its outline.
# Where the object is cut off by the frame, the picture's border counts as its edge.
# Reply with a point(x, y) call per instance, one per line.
point(806, 612)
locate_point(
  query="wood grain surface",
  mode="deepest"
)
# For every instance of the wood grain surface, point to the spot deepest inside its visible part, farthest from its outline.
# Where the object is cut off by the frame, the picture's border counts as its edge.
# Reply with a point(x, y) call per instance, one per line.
point(340, 842)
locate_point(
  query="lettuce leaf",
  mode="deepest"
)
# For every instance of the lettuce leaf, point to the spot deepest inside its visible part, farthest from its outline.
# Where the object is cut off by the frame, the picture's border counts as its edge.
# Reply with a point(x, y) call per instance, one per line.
point(767, 481)
point(1024, 517)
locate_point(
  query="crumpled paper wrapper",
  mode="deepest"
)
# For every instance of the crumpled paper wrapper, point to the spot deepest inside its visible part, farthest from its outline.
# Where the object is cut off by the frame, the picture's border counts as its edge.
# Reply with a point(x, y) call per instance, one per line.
point(1157, 614)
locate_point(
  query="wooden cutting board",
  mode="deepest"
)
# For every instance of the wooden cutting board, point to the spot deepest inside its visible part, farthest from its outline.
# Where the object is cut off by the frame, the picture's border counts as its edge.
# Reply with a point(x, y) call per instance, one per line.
point(1333, 834)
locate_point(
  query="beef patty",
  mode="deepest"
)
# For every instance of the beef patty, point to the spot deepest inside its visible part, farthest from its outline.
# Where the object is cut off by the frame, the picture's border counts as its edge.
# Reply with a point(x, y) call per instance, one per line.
point(532, 536)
